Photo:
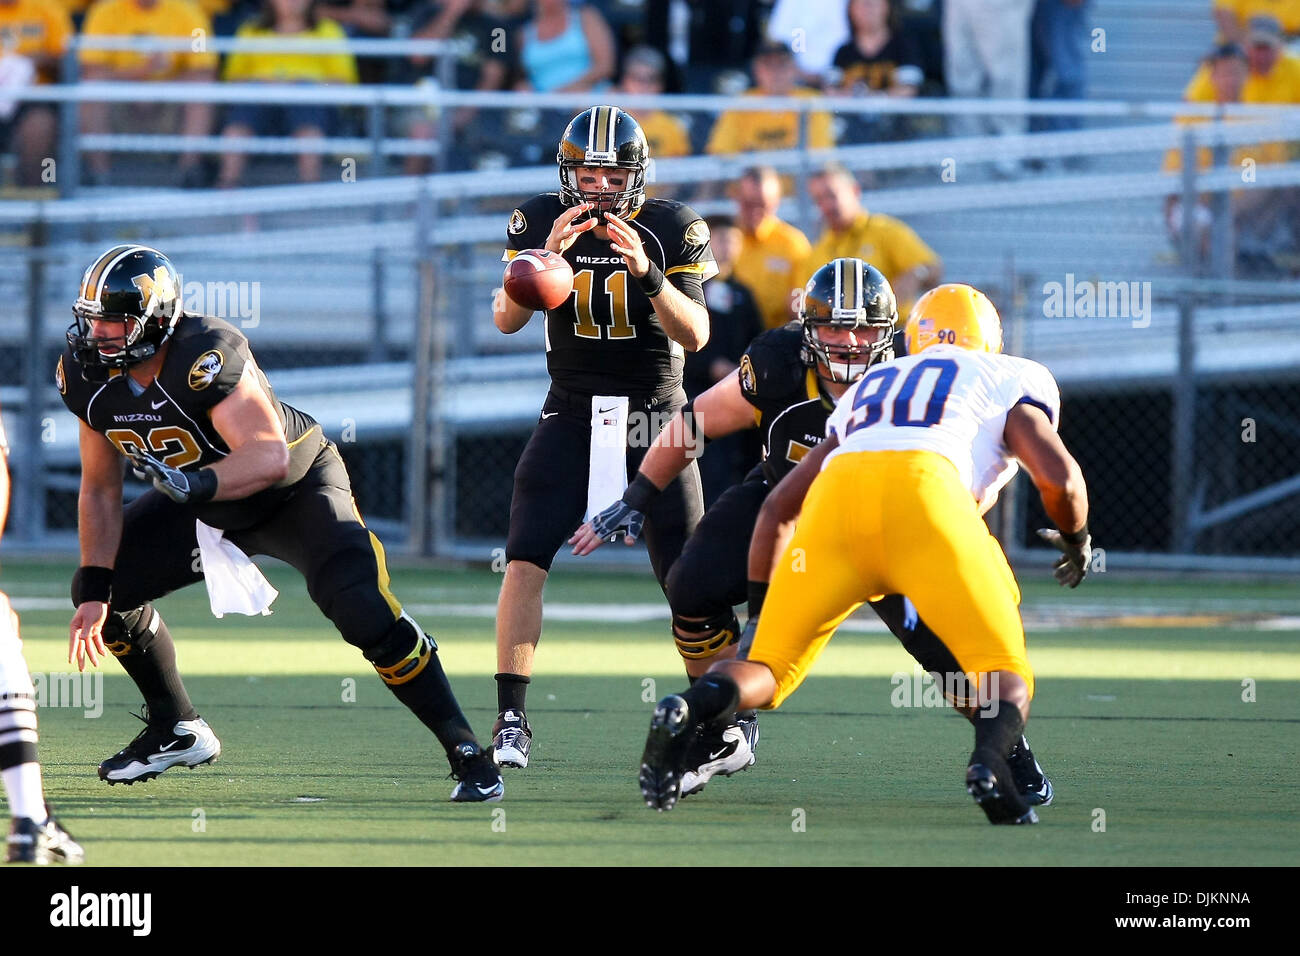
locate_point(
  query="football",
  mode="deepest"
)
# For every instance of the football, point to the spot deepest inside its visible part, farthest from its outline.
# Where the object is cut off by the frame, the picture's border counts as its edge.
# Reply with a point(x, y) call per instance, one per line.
point(538, 279)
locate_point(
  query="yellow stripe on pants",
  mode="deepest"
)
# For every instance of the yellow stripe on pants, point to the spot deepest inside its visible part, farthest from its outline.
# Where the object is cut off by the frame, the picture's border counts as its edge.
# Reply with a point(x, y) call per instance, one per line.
point(891, 522)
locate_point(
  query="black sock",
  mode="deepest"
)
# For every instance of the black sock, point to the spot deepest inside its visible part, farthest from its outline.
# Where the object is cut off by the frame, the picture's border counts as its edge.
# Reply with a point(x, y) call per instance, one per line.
point(692, 678)
point(711, 698)
point(428, 695)
point(997, 731)
point(17, 721)
point(151, 663)
point(511, 691)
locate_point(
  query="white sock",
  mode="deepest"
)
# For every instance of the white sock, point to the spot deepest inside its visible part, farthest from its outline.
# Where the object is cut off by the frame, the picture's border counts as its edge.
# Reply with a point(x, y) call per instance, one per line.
point(26, 796)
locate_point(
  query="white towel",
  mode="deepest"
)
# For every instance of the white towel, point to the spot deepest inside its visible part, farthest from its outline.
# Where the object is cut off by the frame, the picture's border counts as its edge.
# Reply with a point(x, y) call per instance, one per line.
point(16, 72)
point(607, 474)
point(235, 585)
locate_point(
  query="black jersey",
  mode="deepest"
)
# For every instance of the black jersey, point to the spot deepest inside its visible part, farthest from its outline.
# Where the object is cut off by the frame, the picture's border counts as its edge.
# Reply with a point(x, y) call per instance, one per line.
point(606, 339)
point(791, 407)
point(206, 357)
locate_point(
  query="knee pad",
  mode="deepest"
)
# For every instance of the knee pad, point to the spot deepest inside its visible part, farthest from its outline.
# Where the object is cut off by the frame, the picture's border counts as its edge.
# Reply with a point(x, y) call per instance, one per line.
point(705, 638)
point(128, 632)
point(402, 653)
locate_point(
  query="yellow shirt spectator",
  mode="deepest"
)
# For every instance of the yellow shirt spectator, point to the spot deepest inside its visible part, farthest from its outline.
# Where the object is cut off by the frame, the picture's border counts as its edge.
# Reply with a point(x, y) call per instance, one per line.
point(292, 67)
point(887, 243)
point(1281, 85)
point(742, 132)
point(166, 18)
point(665, 134)
point(1286, 12)
point(36, 29)
point(769, 265)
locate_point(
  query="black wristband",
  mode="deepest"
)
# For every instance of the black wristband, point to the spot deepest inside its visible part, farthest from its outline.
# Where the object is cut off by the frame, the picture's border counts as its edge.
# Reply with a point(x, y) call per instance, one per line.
point(1076, 538)
point(203, 485)
point(94, 583)
point(652, 283)
point(757, 594)
point(641, 493)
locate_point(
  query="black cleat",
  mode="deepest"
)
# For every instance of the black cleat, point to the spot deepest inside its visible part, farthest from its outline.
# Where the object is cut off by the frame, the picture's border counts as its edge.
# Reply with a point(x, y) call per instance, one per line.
point(748, 723)
point(512, 739)
point(477, 778)
point(41, 843)
point(667, 746)
point(1034, 787)
point(715, 752)
point(999, 804)
point(160, 746)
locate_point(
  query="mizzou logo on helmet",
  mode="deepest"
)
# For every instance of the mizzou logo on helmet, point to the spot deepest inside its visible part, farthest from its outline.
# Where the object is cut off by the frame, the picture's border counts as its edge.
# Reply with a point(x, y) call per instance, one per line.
point(206, 369)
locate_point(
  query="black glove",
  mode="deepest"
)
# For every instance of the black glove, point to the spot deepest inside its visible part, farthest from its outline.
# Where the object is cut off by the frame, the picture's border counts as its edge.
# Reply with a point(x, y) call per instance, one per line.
point(627, 515)
point(183, 487)
point(1077, 550)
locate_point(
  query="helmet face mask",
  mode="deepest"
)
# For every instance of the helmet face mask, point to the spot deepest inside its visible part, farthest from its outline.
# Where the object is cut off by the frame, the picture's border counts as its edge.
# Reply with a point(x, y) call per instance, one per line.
point(131, 285)
point(604, 137)
point(852, 295)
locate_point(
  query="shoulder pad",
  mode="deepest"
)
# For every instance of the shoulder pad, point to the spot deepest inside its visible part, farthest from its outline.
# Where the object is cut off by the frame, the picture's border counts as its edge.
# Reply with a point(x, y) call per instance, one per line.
point(771, 367)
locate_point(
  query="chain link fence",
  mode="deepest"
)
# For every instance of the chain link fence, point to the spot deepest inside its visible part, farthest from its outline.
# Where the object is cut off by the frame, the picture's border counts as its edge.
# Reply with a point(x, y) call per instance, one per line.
point(367, 301)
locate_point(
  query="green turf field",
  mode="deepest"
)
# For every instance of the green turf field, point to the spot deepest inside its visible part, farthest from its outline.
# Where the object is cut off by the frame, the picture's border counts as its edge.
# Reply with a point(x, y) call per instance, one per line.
point(1133, 717)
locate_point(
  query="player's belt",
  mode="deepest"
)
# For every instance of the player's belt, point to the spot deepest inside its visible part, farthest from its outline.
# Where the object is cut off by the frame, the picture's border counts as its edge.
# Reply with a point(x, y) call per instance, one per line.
point(581, 401)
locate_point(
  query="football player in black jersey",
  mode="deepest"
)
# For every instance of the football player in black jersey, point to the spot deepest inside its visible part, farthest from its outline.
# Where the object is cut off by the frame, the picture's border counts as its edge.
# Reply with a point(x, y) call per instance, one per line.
point(614, 351)
point(183, 399)
point(788, 383)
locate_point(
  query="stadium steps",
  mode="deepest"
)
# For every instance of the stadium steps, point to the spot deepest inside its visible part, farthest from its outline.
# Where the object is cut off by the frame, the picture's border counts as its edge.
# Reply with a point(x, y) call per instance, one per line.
point(1152, 47)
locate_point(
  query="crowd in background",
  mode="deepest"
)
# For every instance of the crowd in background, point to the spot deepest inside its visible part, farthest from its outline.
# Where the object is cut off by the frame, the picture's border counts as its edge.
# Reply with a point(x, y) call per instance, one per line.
point(850, 48)
point(1254, 59)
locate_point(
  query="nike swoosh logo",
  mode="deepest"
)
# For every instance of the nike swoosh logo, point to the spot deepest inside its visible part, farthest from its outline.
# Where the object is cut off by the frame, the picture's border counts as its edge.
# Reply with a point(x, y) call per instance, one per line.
point(546, 415)
point(725, 750)
point(169, 746)
point(158, 405)
point(485, 790)
point(602, 411)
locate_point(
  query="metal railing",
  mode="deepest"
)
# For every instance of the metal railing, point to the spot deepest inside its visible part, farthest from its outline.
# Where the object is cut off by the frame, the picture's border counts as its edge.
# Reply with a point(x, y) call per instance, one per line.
point(361, 267)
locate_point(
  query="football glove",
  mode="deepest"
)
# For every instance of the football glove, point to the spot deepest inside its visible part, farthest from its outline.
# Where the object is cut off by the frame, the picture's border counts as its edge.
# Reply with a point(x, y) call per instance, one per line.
point(183, 487)
point(618, 518)
point(627, 515)
point(1076, 549)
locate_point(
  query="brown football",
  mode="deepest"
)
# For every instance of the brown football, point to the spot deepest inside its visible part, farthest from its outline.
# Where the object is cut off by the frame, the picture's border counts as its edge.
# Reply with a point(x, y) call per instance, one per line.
point(538, 279)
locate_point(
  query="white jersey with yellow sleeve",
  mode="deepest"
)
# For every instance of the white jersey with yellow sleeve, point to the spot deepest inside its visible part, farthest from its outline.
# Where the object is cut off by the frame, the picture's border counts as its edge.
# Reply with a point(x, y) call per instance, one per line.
point(949, 401)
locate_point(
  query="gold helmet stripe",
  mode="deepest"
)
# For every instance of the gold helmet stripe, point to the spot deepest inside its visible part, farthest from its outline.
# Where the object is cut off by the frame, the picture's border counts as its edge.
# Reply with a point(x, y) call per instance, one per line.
point(98, 268)
point(600, 134)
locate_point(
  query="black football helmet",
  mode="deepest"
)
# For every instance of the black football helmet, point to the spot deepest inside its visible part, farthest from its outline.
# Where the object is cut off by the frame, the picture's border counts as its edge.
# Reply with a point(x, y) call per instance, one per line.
point(136, 286)
point(604, 136)
point(847, 294)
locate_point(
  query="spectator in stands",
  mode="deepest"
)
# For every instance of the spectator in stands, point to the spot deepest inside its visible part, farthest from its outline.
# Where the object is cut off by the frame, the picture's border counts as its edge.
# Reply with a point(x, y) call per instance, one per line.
point(772, 252)
point(733, 323)
point(163, 18)
point(485, 64)
point(775, 74)
point(284, 19)
point(1273, 75)
point(1060, 58)
point(643, 74)
point(879, 59)
point(1233, 18)
point(33, 36)
point(890, 245)
point(986, 54)
point(815, 30)
point(706, 40)
point(565, 48)
point(1264, 219)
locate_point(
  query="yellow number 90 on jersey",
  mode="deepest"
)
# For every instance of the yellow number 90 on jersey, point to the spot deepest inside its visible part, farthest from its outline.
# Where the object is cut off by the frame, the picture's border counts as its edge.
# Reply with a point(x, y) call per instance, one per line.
point(954, 314)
